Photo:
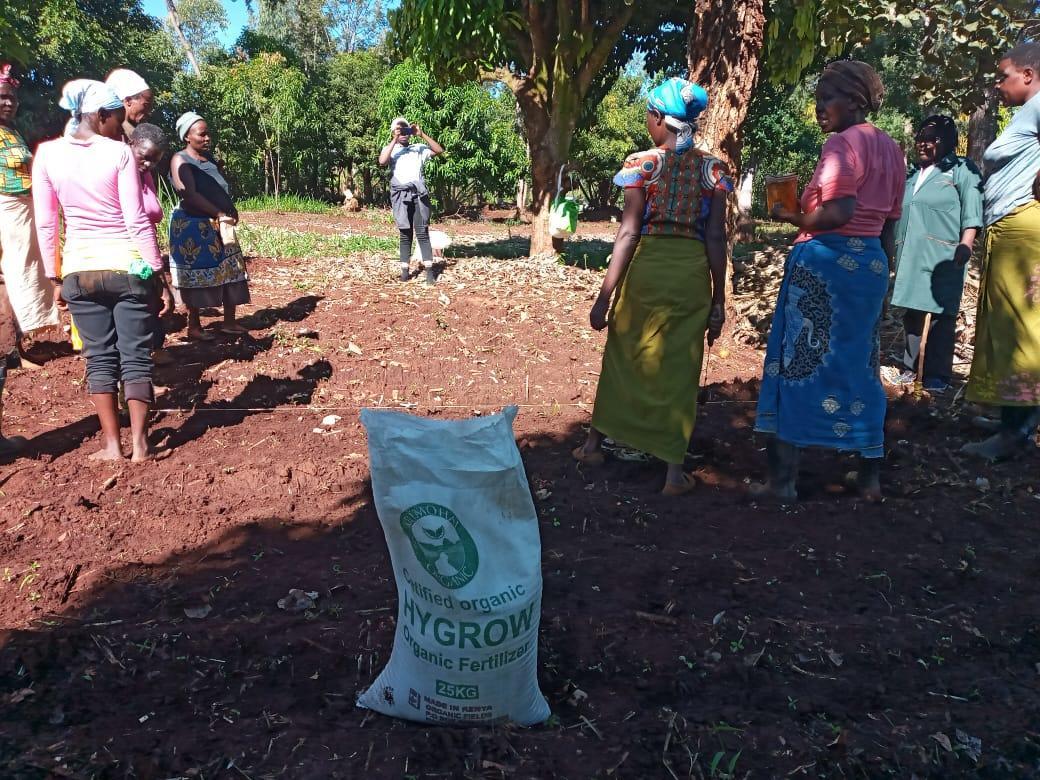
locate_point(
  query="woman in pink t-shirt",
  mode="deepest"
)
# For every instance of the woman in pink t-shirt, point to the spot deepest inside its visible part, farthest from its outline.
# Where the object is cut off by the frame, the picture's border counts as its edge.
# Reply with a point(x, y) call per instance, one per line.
point(821, 385)
point(110, 256)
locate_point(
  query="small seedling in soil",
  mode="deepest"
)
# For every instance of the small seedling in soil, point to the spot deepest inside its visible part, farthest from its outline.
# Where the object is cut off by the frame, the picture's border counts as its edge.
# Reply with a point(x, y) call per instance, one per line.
point(30, 576)
point(714, 769)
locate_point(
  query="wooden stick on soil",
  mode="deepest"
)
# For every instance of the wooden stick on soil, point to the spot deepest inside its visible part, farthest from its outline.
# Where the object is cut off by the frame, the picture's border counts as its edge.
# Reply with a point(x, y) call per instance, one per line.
point(921, 349)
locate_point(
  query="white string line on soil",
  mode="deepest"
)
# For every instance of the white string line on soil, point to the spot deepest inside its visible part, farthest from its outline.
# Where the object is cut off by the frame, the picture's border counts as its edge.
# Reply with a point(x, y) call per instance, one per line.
point(398, 407)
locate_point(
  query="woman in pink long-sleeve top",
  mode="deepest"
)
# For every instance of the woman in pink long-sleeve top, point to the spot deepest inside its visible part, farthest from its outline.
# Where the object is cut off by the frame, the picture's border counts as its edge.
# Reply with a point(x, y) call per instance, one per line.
point(110, 259)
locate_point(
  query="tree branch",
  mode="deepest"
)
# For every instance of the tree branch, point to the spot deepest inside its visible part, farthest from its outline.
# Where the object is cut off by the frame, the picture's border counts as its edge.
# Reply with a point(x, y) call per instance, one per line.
point(605, 42)
point(503, 75)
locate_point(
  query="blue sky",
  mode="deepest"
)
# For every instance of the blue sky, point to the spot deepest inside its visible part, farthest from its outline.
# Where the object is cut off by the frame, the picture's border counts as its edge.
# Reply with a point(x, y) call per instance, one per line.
point(235, 10)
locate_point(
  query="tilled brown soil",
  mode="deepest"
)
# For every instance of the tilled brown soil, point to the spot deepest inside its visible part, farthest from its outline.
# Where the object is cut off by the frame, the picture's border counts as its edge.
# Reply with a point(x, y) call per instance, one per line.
point(700, 637)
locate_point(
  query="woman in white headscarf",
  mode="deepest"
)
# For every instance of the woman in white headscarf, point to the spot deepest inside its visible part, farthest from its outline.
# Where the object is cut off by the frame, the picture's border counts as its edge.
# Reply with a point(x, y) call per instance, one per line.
point(110, 258)
point(136, 95)
point(208, 270)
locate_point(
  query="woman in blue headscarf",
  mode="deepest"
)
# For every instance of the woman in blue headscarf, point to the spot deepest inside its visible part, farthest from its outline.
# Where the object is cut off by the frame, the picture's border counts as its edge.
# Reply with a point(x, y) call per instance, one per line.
point(668, 270)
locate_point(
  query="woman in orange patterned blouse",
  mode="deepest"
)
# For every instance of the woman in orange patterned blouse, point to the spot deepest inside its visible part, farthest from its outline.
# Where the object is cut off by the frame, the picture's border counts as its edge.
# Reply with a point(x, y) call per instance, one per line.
point(668, 270)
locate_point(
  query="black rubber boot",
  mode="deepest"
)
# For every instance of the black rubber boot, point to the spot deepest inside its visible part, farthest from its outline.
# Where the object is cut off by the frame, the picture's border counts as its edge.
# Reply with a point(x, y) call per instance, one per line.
point(868, 478)
point(782, 459)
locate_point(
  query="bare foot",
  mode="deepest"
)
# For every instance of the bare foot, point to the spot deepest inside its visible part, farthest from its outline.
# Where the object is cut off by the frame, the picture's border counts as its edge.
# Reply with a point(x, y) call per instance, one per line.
point(142, 456)
point(107, 454)
point(27, 363)
point(233, 328)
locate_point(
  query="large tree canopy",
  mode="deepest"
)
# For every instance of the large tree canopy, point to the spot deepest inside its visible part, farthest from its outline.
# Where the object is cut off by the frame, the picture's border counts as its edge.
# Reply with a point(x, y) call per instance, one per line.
point(959, 41)
point(554, 56)
point(57, 40)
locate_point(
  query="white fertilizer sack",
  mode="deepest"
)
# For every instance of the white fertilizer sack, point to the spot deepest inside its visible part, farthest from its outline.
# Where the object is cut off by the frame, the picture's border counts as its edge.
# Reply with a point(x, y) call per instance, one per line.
point(454, 503)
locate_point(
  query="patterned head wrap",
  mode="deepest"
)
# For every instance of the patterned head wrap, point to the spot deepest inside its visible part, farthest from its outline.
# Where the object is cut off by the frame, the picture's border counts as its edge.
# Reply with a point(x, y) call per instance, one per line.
point(857, 80)
point(126, 83)
point(185, 122)
point(681, 102)
point(7, 78)
point(86, 96)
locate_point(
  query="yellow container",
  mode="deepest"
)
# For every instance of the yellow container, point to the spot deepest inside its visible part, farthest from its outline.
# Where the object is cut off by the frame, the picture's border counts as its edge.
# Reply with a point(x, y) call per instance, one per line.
point(77, 342)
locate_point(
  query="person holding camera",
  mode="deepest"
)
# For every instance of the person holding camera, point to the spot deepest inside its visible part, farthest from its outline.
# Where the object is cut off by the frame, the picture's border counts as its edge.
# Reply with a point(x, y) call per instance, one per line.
point(409, 198)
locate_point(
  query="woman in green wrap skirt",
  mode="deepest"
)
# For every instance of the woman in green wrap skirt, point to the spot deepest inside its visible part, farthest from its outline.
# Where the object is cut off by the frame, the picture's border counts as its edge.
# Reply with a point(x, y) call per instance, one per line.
point(667, 277)
point(1005, 369)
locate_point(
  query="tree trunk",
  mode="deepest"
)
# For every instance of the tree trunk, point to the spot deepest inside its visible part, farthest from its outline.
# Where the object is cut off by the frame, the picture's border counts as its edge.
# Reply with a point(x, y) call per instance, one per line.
point(725, 49)
point(366, 180)
point(521, 195)
point(175, 23)
point(549, 140)
point(982, 129)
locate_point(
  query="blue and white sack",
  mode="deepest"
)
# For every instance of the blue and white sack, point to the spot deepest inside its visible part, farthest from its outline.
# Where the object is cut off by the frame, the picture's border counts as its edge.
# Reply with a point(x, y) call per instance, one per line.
point(456, 510)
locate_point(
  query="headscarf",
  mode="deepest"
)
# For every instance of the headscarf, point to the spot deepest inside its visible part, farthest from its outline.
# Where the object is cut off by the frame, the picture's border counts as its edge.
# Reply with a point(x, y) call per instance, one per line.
point(857, 80)
point(86, 96)
point(185, 121)
point(126, 83)
point(7, 78)
point(681, 102)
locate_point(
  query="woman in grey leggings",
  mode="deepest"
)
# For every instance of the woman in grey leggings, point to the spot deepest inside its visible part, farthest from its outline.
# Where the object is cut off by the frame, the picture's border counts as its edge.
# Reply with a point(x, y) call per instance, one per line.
point(408, 194)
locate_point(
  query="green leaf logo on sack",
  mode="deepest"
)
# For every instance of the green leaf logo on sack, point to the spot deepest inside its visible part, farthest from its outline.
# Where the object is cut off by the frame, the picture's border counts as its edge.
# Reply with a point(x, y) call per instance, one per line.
point(441, 544)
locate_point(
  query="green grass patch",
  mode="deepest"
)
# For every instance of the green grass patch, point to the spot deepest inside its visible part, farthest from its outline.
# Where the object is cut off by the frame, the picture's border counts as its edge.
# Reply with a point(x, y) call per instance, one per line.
point(276, 242)
point(298, 204)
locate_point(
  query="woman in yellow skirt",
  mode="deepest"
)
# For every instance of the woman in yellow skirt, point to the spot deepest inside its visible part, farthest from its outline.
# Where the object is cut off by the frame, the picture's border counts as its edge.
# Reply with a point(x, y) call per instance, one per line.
point(1005, 369)
point(668, 270)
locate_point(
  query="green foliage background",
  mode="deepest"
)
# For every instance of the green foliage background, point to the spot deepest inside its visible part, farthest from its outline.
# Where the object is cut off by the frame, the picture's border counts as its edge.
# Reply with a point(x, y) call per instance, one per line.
point(302, 101)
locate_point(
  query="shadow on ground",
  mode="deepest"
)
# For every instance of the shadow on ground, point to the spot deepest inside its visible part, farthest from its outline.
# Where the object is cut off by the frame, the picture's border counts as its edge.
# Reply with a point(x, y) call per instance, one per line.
point(833, 635)
point(592, 253)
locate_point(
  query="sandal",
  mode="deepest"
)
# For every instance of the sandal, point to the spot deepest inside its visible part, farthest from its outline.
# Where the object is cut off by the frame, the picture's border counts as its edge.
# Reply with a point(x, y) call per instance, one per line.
point(596, 458)
point(672, 489)
point(201, 336)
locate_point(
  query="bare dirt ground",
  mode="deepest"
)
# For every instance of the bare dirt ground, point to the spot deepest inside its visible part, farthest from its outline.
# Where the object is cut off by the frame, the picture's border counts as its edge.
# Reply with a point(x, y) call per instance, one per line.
point(710, 637)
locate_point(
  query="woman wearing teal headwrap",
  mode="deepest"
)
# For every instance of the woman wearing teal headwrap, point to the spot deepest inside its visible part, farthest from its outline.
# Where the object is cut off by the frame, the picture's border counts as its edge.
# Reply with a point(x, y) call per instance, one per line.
point(668, 270)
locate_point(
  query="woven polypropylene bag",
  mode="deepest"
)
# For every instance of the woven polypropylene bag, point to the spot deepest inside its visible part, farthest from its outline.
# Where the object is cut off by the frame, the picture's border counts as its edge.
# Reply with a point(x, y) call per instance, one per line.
point(456, 510)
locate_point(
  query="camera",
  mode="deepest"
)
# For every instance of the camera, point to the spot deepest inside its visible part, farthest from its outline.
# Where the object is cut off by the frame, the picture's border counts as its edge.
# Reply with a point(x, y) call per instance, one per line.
point(407, 130)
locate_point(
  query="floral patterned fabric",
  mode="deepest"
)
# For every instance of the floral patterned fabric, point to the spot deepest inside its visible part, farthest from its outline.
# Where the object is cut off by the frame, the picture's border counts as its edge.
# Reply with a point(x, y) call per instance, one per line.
point(15, 163)
point(821, 385)
point(679, 189)
point(198, 257)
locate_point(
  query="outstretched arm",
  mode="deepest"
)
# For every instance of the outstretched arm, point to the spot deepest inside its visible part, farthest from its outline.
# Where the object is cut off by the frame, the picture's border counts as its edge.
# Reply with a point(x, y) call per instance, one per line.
point(830, 216)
